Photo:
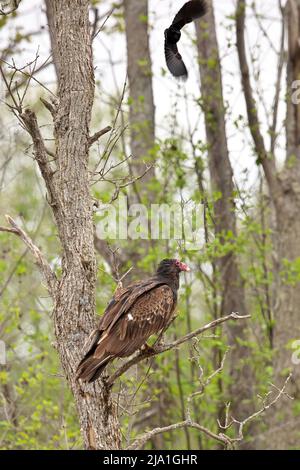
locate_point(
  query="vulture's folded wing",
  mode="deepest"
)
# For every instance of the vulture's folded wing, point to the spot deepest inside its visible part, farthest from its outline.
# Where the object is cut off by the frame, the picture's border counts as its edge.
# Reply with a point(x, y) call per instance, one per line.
point(121, 303)
point(148, 315)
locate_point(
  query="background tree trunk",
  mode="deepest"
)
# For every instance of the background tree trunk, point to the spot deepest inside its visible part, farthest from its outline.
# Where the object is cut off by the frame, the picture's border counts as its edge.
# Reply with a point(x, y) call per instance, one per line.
point(142, 125)
point(142, 141)
point(284, 190)
point(139, 71)
point(230, 283)
point(287, 315)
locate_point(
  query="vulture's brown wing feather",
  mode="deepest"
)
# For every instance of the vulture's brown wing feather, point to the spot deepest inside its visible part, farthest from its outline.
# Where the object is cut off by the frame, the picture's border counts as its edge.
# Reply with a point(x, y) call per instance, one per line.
point(150, 313)
point(190, 12)
point(134, 314)
point(123, 302)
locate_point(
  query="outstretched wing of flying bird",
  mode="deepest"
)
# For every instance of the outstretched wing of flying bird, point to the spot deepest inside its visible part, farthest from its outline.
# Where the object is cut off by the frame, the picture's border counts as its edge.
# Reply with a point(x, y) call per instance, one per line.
point(174, 61)
point(188, 13)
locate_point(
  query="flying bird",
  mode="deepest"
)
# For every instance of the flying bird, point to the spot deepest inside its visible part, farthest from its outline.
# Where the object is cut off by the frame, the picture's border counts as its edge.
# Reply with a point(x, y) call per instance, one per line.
point(188, 13)
point(134, 314)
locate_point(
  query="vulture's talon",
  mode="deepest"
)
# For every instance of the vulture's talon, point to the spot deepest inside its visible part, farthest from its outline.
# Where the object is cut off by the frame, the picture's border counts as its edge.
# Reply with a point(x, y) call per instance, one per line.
point(148, 349)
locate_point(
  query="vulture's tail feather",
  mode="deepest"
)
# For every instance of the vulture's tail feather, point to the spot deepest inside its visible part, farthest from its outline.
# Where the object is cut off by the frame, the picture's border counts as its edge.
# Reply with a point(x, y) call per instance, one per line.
point(90, 346)
point(91, 368)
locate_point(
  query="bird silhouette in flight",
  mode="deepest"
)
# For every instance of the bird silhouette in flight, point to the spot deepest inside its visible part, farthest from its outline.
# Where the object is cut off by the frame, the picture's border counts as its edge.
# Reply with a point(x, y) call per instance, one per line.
point(188, 13)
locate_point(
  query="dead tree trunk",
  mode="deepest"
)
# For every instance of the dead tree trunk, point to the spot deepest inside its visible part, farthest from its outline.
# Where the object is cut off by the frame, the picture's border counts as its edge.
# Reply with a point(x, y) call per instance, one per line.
point(284, 190)
point(230, 281)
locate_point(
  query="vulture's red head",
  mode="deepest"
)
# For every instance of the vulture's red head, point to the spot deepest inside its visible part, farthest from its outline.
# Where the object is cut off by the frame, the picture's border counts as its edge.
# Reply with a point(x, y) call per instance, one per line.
point(169, 267)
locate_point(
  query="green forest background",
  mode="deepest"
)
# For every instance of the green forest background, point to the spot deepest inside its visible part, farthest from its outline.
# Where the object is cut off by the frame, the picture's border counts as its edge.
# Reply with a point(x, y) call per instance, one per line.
point(250, 259)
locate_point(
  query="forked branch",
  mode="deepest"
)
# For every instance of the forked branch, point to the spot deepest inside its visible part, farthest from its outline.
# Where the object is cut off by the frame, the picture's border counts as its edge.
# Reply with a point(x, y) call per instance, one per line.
point(221, 437)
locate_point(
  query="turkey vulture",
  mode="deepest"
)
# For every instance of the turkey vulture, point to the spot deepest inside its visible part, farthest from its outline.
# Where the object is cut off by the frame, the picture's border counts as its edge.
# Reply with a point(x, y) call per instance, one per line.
point(188, 13)
point(134, 314)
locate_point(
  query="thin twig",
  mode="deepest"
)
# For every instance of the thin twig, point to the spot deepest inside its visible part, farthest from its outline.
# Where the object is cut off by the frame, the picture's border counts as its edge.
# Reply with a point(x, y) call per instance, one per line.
point(44, 266)
point(99, 134)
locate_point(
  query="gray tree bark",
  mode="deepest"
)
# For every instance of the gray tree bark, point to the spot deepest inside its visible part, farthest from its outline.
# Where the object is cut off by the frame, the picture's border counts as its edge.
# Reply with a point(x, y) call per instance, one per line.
point(287, 316)
point(67, 183)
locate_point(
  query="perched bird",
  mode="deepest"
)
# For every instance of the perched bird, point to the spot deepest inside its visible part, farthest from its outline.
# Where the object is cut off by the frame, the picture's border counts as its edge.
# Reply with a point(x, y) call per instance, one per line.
point(188, 13)
point(134, 314)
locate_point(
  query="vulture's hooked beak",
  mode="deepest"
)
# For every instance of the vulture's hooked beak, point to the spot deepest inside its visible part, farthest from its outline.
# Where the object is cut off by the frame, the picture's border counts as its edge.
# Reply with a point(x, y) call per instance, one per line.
point(184, 267)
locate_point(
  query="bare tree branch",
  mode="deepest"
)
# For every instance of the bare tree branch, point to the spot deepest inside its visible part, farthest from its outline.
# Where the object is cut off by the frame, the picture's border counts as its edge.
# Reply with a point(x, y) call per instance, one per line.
point(204, 383)
point(280, 66)
point(158, 349)
point(49, 106)
point(99, 134)
point(29, 119)
point(140, 441)
point(265, 406)
point(12, 6)
point(228, 442)
point(42, 263)
point(29, 75)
